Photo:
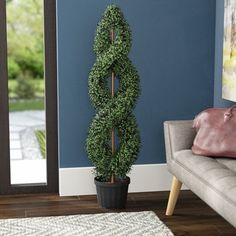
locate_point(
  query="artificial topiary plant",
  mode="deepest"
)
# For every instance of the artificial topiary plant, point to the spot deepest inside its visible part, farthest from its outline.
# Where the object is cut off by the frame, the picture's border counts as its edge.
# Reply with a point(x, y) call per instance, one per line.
point(114, 110)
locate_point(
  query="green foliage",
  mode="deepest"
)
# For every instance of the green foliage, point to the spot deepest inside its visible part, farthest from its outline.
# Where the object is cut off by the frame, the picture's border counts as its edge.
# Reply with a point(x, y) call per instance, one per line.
point(113, 112)
point(26, 105)
point(39, 86)
point(25, 38)
point(25, 88)
point(41, 137)
point(13, 68)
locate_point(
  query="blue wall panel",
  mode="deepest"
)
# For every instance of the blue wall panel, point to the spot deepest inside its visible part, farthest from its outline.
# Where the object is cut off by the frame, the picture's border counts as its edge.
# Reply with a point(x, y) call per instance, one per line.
point(173, 50)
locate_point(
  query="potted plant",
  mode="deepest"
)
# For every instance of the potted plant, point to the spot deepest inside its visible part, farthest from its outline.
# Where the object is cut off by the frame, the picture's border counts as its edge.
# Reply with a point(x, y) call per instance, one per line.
point(114, 119)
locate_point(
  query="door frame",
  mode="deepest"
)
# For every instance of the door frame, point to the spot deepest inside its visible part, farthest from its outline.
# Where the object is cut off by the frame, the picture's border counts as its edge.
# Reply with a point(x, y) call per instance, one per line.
point(50, 72)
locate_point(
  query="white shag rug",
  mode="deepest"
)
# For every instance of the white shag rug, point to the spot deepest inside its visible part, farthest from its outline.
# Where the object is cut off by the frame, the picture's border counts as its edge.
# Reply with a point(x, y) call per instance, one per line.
point(144, 223)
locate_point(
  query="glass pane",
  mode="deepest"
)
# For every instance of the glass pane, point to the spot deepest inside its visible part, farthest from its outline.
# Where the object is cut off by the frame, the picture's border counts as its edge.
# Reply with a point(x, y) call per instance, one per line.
point(26, 88)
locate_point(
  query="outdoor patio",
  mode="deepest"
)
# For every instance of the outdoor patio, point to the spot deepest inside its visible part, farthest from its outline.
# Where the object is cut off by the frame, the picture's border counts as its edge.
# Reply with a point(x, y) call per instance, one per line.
point(27, 163)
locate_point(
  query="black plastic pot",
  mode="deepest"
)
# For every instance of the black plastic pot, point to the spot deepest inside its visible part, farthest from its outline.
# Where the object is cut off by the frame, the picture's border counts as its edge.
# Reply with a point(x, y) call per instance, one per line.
point(112, 195)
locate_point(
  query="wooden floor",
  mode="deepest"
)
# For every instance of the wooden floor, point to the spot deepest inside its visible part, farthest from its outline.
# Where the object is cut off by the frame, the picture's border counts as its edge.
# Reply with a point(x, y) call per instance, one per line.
point(192, 216)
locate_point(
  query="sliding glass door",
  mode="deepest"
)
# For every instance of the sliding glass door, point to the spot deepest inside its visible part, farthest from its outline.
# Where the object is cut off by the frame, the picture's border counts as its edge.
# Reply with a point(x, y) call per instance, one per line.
point(28, 120)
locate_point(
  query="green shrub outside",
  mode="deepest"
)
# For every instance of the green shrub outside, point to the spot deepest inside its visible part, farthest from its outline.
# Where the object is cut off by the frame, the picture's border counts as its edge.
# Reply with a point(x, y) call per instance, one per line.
point(13, 68)
point(16, 104)
point(25, 88)
point(25, 55)
point(39, 85)
point(25, 38)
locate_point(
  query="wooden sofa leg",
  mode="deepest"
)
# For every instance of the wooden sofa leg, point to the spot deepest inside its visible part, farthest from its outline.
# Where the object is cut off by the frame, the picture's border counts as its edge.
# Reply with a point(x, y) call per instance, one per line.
point(174, 193)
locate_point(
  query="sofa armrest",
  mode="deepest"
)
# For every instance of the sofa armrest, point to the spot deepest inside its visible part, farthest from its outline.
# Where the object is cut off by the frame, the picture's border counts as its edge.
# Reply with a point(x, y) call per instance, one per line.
point(179, 135)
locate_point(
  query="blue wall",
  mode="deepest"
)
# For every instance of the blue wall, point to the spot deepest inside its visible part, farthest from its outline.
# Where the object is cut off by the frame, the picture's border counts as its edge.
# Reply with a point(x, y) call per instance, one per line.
point(173, 51)
point(218, 100)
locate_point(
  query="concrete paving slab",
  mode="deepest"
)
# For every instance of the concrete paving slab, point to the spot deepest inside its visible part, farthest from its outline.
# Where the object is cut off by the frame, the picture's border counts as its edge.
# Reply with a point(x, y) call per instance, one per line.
point(14, 136)
point(15, 144)
point(16, 154)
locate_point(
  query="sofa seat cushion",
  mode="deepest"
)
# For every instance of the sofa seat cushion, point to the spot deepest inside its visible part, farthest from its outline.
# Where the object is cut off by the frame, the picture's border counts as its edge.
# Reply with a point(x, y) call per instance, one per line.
point(217, 173)
point(229, 163)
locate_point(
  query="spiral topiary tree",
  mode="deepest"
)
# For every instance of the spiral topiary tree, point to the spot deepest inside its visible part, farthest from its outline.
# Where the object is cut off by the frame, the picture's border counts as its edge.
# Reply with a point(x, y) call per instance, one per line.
point(113, 109)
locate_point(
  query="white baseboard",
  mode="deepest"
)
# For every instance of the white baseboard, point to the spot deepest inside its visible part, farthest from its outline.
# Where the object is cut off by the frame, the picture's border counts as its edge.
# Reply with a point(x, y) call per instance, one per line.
point(144, 178)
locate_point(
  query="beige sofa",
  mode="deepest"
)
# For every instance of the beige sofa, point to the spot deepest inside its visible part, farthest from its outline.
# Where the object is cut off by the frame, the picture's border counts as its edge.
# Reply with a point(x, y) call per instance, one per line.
point(212, 179)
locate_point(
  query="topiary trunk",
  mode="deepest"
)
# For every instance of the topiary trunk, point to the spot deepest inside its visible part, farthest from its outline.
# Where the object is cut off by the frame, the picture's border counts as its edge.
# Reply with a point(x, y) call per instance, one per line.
point(113, 111)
